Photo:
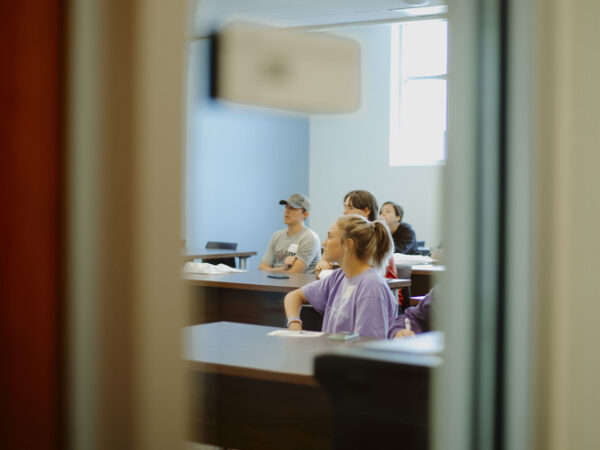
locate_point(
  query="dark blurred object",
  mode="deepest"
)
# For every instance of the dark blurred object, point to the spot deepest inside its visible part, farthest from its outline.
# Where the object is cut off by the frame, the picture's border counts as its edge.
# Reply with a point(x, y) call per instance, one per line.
point(380, 399)
point(422, 249)
point(311, 319)
point(404, 272)
point(223, 246)
point(291, 70)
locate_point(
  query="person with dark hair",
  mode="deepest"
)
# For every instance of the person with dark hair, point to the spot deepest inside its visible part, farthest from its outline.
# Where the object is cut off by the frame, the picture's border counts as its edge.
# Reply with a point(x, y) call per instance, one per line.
point(405, 240)
point(364, 204)
point(355, 298)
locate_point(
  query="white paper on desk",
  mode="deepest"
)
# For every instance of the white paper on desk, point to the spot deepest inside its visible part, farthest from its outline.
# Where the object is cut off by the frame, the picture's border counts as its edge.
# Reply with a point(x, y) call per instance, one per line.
point(296, 333)
point(411, 260)
point(424, 343)
point(206, 268)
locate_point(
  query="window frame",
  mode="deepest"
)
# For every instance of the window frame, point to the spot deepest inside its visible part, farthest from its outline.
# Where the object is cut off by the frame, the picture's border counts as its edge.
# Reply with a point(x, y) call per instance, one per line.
point(397, 88)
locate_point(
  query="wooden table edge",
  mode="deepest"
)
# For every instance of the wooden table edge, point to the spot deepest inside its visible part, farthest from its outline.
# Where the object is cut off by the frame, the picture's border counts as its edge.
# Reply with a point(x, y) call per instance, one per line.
point(258, 374)
point(397, 283)
point(231, 254)
point(242, 286)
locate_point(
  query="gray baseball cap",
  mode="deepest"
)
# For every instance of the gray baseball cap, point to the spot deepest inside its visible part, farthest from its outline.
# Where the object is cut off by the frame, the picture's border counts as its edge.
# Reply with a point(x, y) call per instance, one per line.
point(297, 201)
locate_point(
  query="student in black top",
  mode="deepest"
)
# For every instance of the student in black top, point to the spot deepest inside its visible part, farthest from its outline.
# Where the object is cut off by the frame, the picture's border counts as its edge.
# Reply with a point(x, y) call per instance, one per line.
point(403, 235)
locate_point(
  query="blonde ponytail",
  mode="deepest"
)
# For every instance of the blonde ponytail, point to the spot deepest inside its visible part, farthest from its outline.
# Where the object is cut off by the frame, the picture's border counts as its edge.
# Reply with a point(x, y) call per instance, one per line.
point(373, 241)
point(384, 245)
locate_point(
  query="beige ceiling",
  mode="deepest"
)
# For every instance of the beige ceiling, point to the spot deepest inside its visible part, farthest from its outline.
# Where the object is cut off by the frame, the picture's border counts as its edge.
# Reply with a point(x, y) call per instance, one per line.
point(210, 14)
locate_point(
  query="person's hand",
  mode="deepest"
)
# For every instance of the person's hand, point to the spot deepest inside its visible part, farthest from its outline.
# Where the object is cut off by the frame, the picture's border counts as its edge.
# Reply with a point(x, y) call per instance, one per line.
point(322, 265)
point(404, 333)
point(289, 262)
point(296, 326)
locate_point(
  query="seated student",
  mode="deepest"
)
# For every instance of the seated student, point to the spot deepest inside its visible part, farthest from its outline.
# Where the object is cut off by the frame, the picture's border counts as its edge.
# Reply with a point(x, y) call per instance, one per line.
point(419, 317)
point(405, 240)
point(356, 297)
point(364, 204)
point(297, 248)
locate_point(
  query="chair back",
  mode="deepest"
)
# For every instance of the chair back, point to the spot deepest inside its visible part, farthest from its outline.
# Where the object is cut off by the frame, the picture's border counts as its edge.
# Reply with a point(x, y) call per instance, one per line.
point(223, 245)
point(404, 272)
point(311, 319)
point(423, 251)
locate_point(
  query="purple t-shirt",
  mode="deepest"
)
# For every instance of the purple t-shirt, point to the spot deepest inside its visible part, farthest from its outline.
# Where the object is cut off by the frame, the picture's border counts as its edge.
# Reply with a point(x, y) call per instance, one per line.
point(419, 316)
point(363, 304)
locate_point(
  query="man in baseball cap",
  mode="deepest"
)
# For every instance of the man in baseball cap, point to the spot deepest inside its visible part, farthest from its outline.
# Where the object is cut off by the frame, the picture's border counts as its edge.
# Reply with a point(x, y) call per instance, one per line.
point(295, 248)
point(297, 201)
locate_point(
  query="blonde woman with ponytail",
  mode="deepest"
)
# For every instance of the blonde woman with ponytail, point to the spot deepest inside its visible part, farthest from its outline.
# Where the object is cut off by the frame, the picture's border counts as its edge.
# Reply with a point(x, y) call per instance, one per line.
point(357, 297)
point(364, 204)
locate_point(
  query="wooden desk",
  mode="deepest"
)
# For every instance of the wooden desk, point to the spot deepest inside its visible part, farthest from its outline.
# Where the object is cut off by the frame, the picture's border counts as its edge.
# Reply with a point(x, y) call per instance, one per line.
point(428, 269)
point(218, 253)
point(424, 278)
point(253, 391)
point(247, 297)
point(251, 281)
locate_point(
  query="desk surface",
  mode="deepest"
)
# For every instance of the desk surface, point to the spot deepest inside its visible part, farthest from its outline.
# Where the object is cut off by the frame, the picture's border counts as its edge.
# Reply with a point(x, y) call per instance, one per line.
point(427, 269)
point(212, 253)
point(245, 350)
point(251, 281)
point(259, 281)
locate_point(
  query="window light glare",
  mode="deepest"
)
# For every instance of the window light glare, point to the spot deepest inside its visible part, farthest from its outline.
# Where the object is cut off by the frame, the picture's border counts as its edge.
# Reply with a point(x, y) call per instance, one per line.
point(419, 93)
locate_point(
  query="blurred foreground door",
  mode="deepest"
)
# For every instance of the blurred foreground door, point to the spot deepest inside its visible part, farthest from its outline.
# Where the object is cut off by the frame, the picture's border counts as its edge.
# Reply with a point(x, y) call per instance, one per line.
point(31, 256)
point(125, 386)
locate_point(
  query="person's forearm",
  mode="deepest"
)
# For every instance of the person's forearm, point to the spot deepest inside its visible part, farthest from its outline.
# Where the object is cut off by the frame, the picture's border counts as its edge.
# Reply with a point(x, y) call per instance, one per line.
point(297, 267)
point(275, 269)
point(264, 266)
point(292, 303)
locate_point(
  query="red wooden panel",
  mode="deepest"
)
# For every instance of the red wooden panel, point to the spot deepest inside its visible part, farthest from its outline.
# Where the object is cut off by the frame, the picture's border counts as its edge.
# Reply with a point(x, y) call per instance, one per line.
point(30, 222)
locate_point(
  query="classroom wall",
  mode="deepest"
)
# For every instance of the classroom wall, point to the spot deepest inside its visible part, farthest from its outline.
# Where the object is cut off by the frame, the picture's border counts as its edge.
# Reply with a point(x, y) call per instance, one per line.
point(351, 151)
point(240, 162)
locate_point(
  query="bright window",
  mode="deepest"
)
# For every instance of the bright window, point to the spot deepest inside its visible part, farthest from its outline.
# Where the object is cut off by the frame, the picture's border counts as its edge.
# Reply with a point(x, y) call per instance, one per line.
point(418, 93)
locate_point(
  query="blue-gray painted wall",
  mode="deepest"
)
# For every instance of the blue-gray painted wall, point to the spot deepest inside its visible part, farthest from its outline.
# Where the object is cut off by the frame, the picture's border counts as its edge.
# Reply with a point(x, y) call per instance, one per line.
point(240, 162)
